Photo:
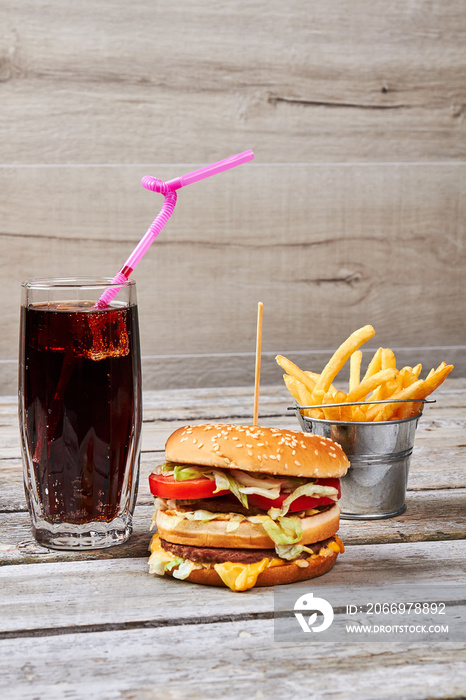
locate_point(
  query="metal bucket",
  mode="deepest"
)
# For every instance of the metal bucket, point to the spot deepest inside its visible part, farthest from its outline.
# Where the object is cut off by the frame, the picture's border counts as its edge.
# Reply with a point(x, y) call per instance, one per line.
point(379, 453)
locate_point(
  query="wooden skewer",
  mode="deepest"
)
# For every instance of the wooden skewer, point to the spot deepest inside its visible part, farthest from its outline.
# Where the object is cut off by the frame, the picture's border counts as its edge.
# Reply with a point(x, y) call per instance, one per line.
point(260, 307)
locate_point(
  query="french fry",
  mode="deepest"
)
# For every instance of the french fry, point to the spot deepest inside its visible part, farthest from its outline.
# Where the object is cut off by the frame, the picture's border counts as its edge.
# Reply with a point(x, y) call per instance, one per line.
point(315, 376)
point(318, 396)
point(386, 411)
point(333, 412)
point(312, 375)
point(346, 412)
point(388, 359)
point(370, 384)
point(301, 395)
point(291, 384)
point(408, 375)
point(355, 370)
point(405, 410)
point(433, 381)
point(375, 365)
point(358, 414)
point(384, 391)
point(299, 392)
point(401, 392)
point(305, 399)
point(296, 372)
point(339, 358)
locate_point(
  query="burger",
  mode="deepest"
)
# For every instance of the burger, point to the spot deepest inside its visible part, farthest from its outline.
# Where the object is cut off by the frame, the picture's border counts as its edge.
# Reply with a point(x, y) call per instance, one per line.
point(243, 506)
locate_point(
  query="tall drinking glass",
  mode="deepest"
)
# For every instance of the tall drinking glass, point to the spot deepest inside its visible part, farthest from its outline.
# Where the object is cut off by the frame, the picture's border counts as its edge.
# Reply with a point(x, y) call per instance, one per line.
point(80, 411)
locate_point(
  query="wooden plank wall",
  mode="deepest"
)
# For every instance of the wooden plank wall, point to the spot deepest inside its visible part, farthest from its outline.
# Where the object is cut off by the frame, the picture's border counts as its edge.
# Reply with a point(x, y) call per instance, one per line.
point(353, 211)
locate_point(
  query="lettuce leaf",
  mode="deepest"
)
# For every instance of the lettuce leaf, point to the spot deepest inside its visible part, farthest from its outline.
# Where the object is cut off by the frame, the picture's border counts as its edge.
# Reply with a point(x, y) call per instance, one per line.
point(165, 468)
point(234, 521)
point(309, 489)
point(186, 472)
point(185, 569)
point(291, 551)
point(161, 561)
point(268, 486)
point(224, 481)
point(286, 530)
point(176, 561)
point(241, 483)
point(202, 516)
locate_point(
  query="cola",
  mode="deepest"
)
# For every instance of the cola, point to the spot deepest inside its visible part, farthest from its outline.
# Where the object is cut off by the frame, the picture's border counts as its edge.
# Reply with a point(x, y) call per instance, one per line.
point(80, 404)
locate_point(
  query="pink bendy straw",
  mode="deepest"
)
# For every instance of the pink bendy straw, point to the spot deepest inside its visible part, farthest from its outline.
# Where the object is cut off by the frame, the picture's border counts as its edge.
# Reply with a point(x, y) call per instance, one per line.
point(168, 189)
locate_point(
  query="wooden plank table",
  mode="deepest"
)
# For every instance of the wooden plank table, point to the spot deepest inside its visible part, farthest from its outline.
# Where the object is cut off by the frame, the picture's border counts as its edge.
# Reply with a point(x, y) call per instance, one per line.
point(97, 625)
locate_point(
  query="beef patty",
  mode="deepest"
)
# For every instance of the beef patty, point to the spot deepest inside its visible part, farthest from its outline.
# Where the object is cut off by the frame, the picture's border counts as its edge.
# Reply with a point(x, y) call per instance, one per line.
point(230, 504)
point(218, 555)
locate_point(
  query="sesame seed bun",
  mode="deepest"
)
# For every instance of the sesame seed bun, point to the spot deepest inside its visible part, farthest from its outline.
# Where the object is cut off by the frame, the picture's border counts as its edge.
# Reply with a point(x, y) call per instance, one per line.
point(257, 449)
point(247, 535)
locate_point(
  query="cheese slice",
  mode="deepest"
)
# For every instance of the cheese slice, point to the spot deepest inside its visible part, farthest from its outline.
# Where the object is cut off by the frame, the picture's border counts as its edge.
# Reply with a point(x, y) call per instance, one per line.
point(240, 577)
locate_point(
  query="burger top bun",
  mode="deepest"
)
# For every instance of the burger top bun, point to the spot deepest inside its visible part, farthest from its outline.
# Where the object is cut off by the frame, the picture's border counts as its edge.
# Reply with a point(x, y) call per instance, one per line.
point(257, 449)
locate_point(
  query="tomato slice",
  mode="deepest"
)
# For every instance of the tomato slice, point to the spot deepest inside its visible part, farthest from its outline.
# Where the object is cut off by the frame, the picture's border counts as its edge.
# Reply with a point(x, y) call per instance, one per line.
point(195, 489)
point(301, 503)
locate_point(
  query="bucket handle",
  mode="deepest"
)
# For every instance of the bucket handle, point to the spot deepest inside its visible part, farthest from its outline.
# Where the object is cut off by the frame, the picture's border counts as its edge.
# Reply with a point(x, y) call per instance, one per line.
point(297, 407)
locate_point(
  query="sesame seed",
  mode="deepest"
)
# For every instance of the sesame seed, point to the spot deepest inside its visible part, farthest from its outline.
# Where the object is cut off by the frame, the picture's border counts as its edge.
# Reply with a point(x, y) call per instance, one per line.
point(273, 457)
point(298, 464)
point(316, 452)
point(332, 454)
point(250, 453)
point(183, 439)
point(201, 444)
point(194, 441)
point(239, 444)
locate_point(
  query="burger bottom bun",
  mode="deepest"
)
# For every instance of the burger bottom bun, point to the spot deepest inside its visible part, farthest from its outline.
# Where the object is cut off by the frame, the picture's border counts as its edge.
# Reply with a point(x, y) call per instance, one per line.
point(274, 576)
point(247, 535)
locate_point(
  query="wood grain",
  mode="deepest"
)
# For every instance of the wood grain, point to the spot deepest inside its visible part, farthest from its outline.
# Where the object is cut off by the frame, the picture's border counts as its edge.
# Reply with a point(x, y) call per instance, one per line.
point(326, 248)
point(96, 624)
point(439, 450)
point(430, 516)
point(239, 657)
point(305, 81)
point(71, 596)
